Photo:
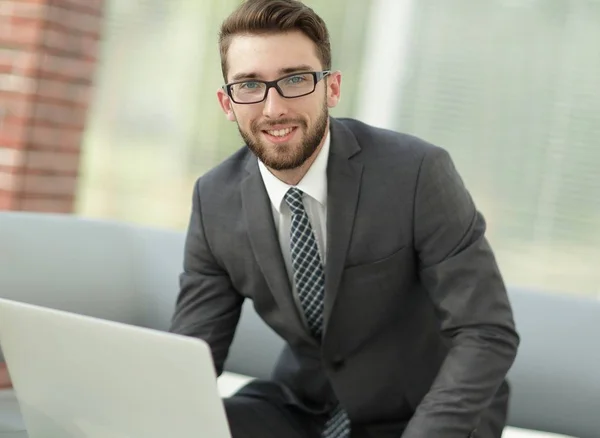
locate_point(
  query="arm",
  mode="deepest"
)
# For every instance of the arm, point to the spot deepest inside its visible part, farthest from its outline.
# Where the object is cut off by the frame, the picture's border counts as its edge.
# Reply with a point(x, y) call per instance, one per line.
point(5, 381)
point(207, 307)
point(458, 268)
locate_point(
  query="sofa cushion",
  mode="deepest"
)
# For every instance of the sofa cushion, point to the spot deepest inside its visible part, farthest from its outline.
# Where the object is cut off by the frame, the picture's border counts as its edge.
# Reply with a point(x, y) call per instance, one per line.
point(10, 415)
point(68, 263)
point(555, 379)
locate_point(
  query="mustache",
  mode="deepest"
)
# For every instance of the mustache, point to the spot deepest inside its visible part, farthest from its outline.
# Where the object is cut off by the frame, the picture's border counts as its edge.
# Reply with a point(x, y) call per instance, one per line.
point(266, 125)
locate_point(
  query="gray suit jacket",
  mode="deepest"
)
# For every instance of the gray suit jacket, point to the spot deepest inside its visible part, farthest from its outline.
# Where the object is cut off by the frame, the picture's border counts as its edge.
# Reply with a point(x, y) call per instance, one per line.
point(418, 329)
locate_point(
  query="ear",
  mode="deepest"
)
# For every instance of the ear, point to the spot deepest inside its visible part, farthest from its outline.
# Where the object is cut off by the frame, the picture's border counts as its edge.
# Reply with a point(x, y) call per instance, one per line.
point(334, 88)
point(226, 104)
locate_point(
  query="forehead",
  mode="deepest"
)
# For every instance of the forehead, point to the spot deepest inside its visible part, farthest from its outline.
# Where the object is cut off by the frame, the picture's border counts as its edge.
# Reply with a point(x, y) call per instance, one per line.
point(264, 56)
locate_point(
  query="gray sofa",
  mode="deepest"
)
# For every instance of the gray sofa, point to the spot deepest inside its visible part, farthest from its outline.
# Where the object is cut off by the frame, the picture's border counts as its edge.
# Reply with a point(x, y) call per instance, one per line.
point(130, 274)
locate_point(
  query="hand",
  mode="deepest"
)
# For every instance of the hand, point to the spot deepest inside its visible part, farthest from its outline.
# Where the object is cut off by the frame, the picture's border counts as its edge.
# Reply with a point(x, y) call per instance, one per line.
point(5, 381)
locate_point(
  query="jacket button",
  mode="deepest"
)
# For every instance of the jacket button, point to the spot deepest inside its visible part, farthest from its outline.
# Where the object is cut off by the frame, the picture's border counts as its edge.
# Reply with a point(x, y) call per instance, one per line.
point(337, 363)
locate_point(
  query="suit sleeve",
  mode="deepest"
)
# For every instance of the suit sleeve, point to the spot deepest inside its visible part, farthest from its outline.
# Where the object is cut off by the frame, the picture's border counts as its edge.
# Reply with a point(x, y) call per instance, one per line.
point(207, 307)
point(458, 269)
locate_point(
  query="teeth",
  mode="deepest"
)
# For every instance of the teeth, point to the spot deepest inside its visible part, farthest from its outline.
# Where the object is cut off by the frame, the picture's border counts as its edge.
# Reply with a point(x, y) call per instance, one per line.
point(280, 132)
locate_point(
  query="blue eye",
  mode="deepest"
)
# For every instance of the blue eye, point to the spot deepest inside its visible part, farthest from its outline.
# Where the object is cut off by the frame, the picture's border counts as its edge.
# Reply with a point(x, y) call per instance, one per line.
point(250, 85)
point(295, 80)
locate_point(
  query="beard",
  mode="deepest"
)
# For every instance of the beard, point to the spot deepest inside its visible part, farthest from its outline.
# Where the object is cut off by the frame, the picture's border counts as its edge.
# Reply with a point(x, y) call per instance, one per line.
point(286, 156)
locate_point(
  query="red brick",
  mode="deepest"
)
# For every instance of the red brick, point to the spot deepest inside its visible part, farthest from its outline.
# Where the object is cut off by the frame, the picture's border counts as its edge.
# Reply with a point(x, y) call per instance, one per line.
point(45, 124)
point(93, 7)
point(61, 25)
point(16, 121)
point(54, 92)
point(64, 163)
point(75, 22)
point(63, 41)
point(23, 35)
point(90, 47)
point(14, 105)
point(51, 138)
point(83, 95)
point(13, 132)
point(6, 200)
point(47, 205)
point(8, 58)
point(70, 149)
point(11, 170)
point(8, 181)
point(63, 91)
point(45, 138)
point(16, 83)
point(19, 8)
point(11, 142)
point(52, 89)
point(28, 171)
point(58, 114)
point(50, 185)
point(56, 67)
point(26, 63)
point(60, 41)
point(10, 157)
point(17, 21)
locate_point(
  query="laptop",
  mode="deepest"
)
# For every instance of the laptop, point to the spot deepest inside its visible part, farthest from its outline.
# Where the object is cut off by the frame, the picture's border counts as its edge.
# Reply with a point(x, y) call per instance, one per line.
point(82, 377)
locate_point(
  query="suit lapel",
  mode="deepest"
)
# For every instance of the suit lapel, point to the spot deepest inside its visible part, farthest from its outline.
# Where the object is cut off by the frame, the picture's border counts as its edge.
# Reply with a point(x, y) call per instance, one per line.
point(265, 245)
point(344, 178)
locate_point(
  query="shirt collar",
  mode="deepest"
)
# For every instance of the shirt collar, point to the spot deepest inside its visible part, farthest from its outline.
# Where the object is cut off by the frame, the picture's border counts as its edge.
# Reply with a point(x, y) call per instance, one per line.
point(314, 183)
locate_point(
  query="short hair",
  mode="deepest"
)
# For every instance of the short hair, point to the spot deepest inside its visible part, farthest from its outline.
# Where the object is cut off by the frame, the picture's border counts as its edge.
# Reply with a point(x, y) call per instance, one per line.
point(256, 17)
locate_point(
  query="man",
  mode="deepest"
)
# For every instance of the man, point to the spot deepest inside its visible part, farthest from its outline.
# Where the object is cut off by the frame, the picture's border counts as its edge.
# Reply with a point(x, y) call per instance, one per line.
point(361, 247)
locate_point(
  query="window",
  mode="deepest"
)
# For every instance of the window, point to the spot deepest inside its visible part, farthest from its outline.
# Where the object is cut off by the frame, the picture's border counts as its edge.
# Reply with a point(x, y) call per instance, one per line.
point(155, 124)
point(511, 89)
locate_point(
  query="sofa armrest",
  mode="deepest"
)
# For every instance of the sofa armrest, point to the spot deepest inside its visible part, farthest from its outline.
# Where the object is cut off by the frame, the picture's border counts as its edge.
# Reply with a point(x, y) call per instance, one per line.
point(514, 432)
point(229, 383)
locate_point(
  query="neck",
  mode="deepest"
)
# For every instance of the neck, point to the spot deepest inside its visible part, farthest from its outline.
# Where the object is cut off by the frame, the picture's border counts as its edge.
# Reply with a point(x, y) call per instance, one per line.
point(294, 176)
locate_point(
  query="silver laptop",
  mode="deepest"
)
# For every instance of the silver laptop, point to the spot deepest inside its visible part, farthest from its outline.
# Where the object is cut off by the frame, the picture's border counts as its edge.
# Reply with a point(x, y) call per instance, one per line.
point(78, 376)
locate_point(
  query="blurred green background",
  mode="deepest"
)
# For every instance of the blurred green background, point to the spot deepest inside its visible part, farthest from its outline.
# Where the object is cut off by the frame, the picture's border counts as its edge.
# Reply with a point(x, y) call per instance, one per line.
point(510, 87)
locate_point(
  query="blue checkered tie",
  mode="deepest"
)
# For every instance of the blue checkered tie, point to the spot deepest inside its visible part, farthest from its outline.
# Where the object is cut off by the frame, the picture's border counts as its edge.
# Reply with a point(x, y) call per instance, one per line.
point(310, 285)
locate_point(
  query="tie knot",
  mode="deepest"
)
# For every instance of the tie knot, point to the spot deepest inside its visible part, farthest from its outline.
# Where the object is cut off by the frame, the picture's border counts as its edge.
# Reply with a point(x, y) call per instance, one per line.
point(293, 199)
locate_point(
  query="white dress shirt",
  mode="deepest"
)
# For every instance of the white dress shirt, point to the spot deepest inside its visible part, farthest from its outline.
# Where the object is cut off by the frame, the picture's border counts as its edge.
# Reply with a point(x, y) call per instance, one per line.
point(314, 187)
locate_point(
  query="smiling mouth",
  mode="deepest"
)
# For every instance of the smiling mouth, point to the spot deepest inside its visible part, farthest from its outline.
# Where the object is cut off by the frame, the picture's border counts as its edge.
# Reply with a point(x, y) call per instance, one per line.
point(280, 132)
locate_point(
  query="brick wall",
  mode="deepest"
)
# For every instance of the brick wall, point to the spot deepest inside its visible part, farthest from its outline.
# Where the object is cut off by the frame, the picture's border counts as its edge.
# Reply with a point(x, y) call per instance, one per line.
point(48, 52)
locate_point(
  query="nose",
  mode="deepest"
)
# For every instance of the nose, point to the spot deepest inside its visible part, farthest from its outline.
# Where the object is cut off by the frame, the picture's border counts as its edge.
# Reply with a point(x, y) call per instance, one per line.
point(274, 105)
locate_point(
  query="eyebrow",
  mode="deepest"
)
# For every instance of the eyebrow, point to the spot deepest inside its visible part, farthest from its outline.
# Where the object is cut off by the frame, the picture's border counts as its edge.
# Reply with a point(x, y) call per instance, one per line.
point(281, 71)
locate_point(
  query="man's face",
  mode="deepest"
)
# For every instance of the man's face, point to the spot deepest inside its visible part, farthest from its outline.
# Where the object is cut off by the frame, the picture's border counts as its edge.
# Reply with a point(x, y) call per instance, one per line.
point(283, 133)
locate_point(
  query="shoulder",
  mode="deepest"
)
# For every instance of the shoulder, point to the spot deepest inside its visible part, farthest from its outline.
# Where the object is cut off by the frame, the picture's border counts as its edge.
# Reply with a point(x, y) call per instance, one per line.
point(225, 177)
point(392, 147)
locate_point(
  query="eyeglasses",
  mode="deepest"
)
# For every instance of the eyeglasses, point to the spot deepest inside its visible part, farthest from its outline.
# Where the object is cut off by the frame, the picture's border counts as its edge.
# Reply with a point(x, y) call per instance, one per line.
point(291, 86)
